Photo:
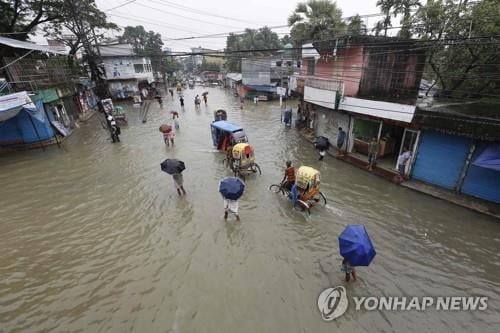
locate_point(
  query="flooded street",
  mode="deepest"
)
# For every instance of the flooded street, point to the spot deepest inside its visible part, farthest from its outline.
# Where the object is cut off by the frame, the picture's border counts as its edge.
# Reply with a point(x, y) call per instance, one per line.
point(93, 237)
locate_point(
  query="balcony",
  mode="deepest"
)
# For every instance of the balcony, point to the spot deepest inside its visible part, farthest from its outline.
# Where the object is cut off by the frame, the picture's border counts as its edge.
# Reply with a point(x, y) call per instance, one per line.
point(322, 83)
point(321, 91)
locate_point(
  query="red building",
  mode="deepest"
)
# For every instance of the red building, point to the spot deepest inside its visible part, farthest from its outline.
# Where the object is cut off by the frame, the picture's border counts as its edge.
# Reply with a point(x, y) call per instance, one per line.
point(367, 85)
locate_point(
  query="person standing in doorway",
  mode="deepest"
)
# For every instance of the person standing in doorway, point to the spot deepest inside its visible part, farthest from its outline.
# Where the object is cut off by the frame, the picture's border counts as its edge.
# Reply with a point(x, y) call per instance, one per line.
point(340, 141)
point(403, 160)
point(179, 183)
point(373, 148)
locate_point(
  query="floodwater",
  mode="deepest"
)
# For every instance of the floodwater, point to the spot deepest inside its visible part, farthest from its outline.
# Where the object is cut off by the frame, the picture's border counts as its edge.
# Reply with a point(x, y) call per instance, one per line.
point(94, 238)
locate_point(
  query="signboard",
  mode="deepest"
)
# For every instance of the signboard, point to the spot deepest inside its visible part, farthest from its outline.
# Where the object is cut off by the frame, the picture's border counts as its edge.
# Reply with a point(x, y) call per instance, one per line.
point(321, 97)
point(394, 111)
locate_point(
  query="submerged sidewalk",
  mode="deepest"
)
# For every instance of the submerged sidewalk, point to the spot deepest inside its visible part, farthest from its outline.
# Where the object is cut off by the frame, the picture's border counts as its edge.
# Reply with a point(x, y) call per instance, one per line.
point(475, 204)
point(478, 205)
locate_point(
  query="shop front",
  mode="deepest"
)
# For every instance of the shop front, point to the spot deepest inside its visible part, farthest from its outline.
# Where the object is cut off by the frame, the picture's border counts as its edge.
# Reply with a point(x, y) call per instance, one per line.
point(393, 137)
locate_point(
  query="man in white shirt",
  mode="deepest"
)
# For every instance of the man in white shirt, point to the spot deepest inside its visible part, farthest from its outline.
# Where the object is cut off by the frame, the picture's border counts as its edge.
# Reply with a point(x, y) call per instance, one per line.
point(402, 162)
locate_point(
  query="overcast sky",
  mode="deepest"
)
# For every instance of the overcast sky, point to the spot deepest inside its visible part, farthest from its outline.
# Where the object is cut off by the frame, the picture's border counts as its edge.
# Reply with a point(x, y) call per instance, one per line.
point(185, 18)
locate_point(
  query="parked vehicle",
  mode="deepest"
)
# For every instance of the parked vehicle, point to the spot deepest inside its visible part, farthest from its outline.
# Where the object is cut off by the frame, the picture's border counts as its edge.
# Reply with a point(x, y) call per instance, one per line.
point(225, 133)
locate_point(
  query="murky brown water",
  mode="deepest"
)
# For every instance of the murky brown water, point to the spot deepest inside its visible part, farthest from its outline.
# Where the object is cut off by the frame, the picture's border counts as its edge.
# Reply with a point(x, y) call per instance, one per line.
point(94, 238)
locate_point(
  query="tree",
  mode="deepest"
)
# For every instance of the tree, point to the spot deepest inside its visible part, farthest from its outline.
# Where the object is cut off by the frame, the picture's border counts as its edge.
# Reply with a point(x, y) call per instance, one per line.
point(147, 44)
point(209, 66)
point(315, 20)
point(467, 66)
point(356, 26)
point(81, 20)
point(251, 39)
point(404, 8)
point(386, 7)
point(25, 16)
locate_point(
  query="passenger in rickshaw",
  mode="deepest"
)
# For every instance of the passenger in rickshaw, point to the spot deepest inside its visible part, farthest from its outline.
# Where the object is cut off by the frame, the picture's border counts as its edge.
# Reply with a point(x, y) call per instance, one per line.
point(225, 142)
point(306, 186)
point(289, 177)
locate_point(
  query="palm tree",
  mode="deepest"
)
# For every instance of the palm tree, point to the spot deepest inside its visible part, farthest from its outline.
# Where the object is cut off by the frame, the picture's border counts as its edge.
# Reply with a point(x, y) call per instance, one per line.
point(386, 7)
point(405, 8)
point(356, 26)
point(315, 20)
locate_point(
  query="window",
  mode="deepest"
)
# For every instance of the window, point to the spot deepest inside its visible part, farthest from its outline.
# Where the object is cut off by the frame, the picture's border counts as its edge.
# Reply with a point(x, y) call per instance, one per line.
point(139, 68)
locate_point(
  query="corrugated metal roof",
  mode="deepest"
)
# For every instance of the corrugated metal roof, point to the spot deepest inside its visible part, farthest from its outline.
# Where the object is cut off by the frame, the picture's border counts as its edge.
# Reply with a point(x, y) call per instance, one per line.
point(29, 46)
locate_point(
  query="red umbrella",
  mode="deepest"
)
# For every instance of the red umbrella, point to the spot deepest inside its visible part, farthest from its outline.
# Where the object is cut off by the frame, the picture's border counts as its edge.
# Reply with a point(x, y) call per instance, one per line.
point(165, 128)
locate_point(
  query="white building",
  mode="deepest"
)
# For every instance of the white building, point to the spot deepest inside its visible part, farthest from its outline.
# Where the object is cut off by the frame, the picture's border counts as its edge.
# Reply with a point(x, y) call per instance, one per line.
point(125, 70)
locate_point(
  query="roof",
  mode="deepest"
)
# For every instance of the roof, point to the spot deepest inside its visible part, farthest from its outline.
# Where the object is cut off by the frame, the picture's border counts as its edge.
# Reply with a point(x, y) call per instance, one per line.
point(226, 126)
point(117, 50)
point(478, 120)
point(11, 104)
point(18, 44)
point(234, 76)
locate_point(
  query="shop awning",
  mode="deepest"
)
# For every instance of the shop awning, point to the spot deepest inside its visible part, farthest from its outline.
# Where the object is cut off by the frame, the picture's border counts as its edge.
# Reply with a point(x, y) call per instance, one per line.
point(18, 44)
point(12, 104)
point(489, 158)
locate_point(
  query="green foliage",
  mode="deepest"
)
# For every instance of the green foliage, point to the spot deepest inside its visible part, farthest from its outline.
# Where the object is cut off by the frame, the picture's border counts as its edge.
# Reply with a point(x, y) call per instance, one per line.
point(170, 65)
point(82, 19)
point(356, 26)
point(26, 15)
point(145, 43)
point(209, 66)
point(466, 67)
point(251, 39)
point(315, 20)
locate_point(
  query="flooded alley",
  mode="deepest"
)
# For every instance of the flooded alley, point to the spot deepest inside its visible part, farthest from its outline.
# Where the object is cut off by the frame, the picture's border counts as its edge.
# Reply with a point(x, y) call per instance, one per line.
point(95, 238)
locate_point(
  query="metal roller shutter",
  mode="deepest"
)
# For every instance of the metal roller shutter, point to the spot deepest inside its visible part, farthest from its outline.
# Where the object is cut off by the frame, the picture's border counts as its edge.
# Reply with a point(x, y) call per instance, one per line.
point(440, 158)
point(482, 182)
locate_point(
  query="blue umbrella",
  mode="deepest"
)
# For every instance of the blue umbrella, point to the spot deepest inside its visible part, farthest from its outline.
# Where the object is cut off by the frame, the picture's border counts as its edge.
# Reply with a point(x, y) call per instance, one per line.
point(355, 245)
point(231, 188)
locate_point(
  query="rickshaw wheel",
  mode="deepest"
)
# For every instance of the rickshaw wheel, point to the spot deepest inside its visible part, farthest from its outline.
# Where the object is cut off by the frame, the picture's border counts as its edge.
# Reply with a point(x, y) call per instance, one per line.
point(323, 197)
point(255, 167)
point(276, 188)
point(305, 206)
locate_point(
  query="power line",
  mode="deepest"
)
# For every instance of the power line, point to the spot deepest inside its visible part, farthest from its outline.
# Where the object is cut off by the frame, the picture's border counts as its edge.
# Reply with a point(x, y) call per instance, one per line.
point(187, 17)
point(119, 6)
point(202, 12)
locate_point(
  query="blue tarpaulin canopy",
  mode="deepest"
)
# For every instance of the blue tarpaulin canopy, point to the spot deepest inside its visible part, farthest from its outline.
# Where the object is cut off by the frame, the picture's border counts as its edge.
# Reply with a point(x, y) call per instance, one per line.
point(12, 104)
point(226, 126)
point(489, 158)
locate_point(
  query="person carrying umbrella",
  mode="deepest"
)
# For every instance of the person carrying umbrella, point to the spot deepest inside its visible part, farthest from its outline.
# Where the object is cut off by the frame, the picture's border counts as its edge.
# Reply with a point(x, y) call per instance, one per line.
point(356, 248)
point(231, 189)
point(175, 167)
point(205, 97)
point(322, 144)
point(168, 134)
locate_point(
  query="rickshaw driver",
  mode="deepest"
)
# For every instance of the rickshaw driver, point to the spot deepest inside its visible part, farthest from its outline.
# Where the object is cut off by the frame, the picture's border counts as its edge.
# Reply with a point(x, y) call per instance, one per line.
point(289, 177)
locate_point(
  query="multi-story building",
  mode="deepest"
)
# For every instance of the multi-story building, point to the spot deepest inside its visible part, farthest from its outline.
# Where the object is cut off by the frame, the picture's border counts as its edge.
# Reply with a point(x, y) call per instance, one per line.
point(126, 71)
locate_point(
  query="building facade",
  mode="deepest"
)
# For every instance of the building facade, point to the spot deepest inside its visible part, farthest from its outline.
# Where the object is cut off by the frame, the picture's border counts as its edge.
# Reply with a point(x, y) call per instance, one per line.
point(125, 70)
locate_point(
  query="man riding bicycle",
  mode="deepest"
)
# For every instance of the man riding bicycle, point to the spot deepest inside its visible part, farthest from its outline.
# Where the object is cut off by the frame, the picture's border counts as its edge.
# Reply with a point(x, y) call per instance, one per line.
point(289, 177)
